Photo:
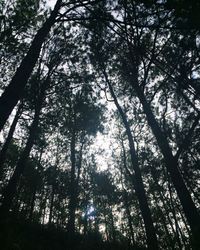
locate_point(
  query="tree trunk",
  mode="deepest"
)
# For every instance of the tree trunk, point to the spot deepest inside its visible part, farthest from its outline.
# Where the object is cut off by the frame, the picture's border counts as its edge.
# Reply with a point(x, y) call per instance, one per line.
point(113, 233)
point(171, 163)
point(10, 190)
point(138, 183)
point(15, 89)
point(174, 212)
point(51, 204)
point(169, 242)
point(74, 183)
point(8, 139)
point(128, 213)
point(125, 197)
point(72, 201)
point(32, 205)
point(34, 191)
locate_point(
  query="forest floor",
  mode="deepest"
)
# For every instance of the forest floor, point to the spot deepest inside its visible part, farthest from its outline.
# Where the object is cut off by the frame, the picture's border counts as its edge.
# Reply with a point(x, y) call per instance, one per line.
point(18, 234)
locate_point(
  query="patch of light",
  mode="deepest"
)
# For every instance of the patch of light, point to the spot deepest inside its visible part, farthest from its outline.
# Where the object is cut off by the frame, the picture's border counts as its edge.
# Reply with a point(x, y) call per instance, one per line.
point(89, 212)
point(51, 3)
point(103, 145)
point(198, 41)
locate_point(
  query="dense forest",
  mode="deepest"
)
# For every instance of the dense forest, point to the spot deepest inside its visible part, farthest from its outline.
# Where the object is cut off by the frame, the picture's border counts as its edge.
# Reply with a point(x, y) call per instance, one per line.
point(99, 121)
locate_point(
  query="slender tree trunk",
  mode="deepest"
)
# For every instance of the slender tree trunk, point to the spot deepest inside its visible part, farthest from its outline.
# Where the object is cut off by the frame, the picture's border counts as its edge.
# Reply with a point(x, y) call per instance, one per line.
point(113, 233)
point(164, 223)
point(128, 213)
point(35, 191)
point(32, 204)
point(171, 163)
point(177, 228)
point(125, 197)
point(51, 204)
point(138, 183)
point(14, 90)
point(72, 201)
point(9, 138)
point(10, 190)
point(43, 213)
point(85, 223)
point(167, 207)
point(106, 225)
point(74, 183)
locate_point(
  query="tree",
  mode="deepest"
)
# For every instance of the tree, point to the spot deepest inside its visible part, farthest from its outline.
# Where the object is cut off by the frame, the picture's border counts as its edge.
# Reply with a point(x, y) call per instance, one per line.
point(135, 51)
point(74, 174)
point(101, 62)
point(82, 120)
point(15, 89)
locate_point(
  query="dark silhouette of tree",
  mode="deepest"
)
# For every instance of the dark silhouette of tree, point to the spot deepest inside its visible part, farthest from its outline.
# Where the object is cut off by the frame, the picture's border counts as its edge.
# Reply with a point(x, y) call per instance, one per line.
point(14, 91)
point(99, 121)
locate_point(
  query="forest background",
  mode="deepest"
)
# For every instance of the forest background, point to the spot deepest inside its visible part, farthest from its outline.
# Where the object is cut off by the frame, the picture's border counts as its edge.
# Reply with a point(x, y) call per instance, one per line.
point(99, 121)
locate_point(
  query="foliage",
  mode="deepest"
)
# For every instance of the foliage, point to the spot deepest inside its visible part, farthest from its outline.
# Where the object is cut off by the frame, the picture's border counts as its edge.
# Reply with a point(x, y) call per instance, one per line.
point(113, 95)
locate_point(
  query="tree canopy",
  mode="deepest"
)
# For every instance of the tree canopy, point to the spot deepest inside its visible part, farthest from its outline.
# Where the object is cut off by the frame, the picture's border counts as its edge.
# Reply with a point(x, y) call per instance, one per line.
point(99, 122)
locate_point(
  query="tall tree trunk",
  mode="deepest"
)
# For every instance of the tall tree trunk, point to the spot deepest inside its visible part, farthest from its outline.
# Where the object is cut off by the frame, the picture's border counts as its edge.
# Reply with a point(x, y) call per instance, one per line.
point(138, 183)
point(128, 213)
point(177, 228)
point(8, 139)
point(14, 90)
point(106, 224)
point(85, 222)
point(171, 163)
point(35, 190)
point(51, 204)
point(72, 198)
point(43, 210)
point(167, 207)
point(125, 196)
point(112, 224)
point(74, 183)
point(32, 204)
point(10, 190)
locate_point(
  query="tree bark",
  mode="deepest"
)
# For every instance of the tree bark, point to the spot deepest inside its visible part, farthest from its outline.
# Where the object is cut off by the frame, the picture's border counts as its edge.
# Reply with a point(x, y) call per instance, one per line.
point(14, 91)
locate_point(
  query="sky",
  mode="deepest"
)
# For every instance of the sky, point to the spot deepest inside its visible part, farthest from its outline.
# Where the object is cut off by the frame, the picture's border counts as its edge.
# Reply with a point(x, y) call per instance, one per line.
point(51, 3)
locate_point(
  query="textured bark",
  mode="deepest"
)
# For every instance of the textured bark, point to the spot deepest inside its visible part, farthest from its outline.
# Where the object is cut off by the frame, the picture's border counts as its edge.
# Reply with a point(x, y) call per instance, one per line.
point(14, 91)
point(138, 183)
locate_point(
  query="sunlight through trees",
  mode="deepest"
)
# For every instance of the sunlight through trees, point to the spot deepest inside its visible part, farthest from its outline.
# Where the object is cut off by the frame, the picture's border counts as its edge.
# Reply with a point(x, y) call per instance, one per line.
point(99, 122)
